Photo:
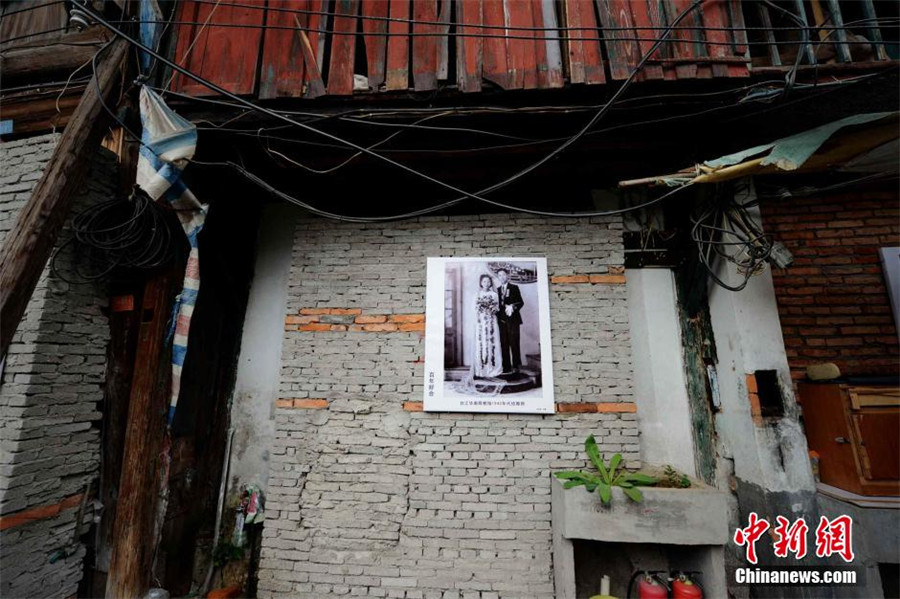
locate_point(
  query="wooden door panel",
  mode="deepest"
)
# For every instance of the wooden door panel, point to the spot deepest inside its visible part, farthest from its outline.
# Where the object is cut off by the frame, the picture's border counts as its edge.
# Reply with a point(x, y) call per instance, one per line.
point(878, 436)
point(825, 417)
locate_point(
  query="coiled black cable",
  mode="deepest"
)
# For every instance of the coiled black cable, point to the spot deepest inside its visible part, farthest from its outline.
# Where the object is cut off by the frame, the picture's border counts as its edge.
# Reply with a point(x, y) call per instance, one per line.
point(123, 233)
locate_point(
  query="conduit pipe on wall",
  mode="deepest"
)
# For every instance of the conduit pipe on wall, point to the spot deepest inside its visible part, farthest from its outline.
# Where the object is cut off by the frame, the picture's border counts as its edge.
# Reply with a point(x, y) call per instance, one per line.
point(226, 462)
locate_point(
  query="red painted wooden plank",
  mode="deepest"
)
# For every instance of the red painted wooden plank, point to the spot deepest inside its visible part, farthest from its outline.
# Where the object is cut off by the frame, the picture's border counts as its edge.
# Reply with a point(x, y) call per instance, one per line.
point(623, 52)
point(641, 11)
point(631, 48)
point(549, 55)
point(738, 37)
point(684, 48)
point(318, 25)
point(375, 36)
point(216, 53)
point(424, 45)
point(443, 41)
point(739, 34)
point(716, 19)
point(540, 45)
point(469, 49)
point(521, 52)
point(585, 60)
point(315, 85)
point(282, 73)
point(593, 57)
point(495, 54)
point(184, 36)
point(343, 48)
point(397, 76)
point(574, 46)
point(659, 20)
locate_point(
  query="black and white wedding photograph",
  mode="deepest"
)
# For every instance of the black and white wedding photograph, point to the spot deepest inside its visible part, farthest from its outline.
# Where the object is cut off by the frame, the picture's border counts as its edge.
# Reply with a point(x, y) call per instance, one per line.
point(487, 339)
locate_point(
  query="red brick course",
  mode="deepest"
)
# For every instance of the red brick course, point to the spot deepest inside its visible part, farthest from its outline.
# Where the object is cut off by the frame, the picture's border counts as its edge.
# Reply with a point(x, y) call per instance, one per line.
point(302, 404)
point(39, 513)
point(833, 303)
point(561, 408)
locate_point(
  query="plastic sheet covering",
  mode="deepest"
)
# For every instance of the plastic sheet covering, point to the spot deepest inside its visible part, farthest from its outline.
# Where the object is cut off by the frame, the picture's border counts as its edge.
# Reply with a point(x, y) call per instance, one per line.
point(168, 144)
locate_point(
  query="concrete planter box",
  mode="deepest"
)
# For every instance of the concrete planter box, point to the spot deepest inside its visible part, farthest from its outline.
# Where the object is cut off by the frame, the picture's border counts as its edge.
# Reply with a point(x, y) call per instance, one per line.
point(675, 516)
point(696, 519)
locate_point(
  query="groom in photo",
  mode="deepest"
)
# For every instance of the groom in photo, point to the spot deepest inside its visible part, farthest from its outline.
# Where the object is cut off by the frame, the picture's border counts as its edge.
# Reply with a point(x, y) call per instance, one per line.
point(510, 320)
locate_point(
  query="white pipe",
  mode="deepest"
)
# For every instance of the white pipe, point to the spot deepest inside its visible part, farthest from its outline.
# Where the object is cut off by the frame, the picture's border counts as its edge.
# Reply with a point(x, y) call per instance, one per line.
point(225, 467)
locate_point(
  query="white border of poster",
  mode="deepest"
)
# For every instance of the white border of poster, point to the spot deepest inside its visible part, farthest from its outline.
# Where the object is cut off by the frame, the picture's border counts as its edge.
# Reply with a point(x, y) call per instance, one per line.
point(442, 395)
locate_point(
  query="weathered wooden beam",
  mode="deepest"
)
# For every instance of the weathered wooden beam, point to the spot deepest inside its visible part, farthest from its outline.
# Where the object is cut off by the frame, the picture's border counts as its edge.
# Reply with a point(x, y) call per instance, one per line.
point(138, 500)
point(28, 245)
point(59, 56)
point(31, 112)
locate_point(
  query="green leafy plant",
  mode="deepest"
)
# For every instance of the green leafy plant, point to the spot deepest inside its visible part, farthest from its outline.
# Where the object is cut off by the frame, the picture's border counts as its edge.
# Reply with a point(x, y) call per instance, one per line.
point(610, 476)
point(674, 479)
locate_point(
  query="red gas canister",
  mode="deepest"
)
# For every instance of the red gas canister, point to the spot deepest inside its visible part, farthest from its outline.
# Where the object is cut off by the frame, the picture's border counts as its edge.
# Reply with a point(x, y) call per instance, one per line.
point(684, 588)
point(650, 588)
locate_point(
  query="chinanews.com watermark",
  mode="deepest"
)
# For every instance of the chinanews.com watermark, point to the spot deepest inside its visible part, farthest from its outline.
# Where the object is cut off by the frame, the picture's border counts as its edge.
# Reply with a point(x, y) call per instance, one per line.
point(833, 538)
point(797, 576)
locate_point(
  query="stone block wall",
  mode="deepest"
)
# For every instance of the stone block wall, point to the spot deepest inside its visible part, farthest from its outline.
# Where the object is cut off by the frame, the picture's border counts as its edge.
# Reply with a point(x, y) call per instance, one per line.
point(369, 495)
point(51, 393)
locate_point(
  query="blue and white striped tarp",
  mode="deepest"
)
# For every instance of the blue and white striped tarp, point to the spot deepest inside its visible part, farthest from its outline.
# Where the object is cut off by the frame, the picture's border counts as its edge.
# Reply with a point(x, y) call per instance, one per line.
point(169, 142)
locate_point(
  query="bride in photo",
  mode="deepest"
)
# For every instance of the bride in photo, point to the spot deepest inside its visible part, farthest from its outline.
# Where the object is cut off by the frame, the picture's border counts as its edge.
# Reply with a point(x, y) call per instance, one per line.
point(488, 359)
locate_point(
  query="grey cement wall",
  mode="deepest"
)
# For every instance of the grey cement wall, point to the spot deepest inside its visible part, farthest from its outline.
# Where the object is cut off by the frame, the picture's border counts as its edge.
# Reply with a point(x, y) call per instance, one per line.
point(259, 363)
point(664, 410)
point(50, 396)
point(367, 498)
point(764, 460)
point(876, 539)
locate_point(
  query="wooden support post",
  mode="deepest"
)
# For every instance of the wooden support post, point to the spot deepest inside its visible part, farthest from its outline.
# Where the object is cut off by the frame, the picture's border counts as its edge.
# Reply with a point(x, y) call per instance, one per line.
point(133, 530)
point(28, 245)
point(124, 322)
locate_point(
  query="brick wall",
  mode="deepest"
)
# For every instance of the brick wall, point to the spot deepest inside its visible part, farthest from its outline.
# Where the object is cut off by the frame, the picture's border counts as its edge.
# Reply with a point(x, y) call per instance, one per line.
point(370, 496)
point(832, 301)
point(50, 394)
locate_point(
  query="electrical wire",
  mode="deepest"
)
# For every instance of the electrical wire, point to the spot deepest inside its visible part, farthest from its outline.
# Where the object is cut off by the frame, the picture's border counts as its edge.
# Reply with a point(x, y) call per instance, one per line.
point(65, 88)
point(132, 233)
point(723, 230)
point(504, 27)
point(476, 196)
point(190, 47)
point(346, 218)
point(806, 190)
point(49, 85)
point(10, 13)
point(401, 216)
point(32, 34)
point(559, 149)
point(788, 103)
point(790, 77)
point(426, 34)
point(466, 110)
point(257, 132)
point(270, 151)
point(50, 43)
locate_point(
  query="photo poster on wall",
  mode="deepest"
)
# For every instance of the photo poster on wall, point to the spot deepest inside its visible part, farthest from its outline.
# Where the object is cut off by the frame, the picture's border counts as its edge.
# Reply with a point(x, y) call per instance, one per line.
point(487, 336)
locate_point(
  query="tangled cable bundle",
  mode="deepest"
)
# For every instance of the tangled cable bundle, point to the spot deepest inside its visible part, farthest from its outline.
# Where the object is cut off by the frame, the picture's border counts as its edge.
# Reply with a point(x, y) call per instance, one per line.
point(130, 233)
point(724, 229)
